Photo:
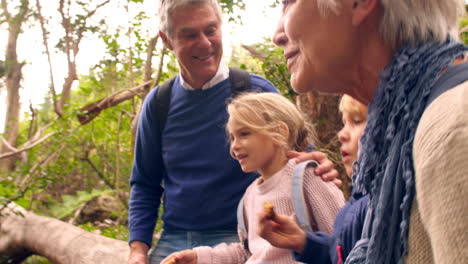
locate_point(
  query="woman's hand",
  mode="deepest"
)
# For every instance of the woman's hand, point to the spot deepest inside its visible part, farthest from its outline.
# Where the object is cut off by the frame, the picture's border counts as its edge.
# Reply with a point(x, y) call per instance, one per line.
point(326, 170)
point(182, 257)
point(282, 231)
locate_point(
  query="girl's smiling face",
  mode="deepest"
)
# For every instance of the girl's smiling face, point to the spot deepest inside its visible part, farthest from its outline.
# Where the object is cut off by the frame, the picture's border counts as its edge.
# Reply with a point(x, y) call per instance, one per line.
point(255, 151)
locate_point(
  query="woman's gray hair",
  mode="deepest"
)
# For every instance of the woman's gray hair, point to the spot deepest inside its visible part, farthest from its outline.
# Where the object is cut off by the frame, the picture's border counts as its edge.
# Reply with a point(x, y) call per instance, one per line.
point(327, 6)
point(418, 21)
point(167, 7)
point(412, 21)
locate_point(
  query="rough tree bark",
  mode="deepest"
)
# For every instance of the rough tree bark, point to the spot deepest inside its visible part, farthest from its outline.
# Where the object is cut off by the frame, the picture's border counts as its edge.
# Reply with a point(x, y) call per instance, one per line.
point(322, 111)
point(23, 234)
point(13, 78)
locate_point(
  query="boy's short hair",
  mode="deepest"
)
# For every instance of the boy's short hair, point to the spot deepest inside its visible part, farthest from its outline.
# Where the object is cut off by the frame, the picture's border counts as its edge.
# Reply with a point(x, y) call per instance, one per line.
point(352, 106)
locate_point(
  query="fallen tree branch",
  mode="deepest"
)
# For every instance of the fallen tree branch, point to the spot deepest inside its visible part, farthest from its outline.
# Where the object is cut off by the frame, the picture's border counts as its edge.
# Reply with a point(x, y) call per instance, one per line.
point(24, 233)
point(91, 111)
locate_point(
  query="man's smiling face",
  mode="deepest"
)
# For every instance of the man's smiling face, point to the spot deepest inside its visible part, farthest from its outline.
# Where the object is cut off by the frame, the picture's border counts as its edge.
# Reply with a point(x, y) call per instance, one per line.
point(196, 40)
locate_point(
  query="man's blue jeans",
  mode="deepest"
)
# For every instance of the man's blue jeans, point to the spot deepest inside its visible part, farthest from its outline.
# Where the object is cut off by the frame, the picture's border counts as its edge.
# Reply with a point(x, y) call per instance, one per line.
point(173, 241)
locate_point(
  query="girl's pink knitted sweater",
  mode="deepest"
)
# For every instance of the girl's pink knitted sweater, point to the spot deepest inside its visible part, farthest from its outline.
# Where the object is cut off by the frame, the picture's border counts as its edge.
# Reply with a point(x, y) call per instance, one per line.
point(323, 201)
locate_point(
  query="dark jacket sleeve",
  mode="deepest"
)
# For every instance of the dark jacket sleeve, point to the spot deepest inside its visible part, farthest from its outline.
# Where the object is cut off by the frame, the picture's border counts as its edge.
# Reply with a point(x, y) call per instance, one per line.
point(317, 249)
point(146, 177)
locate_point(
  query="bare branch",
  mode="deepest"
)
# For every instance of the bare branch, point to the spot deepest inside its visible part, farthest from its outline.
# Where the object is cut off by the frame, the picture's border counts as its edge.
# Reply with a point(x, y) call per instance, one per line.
point(54, 153)
point(46, 45)
point(99, 173)
point(253, 52)
point(73, 36)
point(149, 62)
point(32, 126)
point(70, 54)
point(38, 134)
point(161, 64)
point(81, 29)
point(5, 10)
point(117, 153)
point(21, 16)
point(17, 151)
point(7, 144)
point(91, 13)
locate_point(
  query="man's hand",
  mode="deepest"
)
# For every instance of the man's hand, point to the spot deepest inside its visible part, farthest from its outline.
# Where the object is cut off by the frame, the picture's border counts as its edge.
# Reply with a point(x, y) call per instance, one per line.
point(281, 231)
point(138, 253)
point(325, 169)
point(182, 257)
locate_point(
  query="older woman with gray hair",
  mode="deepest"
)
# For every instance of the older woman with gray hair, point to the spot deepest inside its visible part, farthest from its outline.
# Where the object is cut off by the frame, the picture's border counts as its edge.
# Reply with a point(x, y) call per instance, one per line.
point(400, 58)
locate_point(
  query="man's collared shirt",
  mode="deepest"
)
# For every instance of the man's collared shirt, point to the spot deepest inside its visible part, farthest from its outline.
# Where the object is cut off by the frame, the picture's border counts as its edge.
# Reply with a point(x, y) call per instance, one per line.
point(221, 75)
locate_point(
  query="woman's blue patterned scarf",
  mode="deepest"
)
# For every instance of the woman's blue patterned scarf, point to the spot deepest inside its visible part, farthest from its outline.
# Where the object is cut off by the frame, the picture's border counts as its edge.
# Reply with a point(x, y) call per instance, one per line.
point(385, 169)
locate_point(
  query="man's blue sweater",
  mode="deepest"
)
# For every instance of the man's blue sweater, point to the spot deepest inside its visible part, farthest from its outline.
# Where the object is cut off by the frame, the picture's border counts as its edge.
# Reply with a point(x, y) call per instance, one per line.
point(201, 182)
point(323, 248)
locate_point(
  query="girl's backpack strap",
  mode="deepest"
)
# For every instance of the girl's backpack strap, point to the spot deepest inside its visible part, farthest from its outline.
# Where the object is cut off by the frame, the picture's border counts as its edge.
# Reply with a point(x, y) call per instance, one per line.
point(298, 197)
point(241, 224)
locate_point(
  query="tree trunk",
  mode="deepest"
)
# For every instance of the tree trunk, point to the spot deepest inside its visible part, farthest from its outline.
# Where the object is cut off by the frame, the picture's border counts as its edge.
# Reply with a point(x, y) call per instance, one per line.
point(13, 79)
point(322, 111)
point(74, 30)
point(24, 233)
point(11, 129)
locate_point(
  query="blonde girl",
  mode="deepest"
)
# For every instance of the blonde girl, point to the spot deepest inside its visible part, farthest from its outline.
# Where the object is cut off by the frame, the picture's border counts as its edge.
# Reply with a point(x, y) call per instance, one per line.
point(262, 128)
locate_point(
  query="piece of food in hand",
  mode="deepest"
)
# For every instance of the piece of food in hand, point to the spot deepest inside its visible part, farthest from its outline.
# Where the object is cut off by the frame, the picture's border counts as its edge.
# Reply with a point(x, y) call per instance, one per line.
point(172, 261)
point(268, 207)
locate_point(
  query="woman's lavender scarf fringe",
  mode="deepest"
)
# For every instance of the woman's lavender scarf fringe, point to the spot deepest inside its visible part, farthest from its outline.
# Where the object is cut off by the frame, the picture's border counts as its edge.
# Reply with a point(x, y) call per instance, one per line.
point(385, 168)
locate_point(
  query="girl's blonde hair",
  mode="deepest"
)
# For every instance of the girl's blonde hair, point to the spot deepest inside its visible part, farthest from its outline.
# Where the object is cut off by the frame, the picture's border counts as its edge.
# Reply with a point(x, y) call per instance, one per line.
point(267, 113)
point(352, 106)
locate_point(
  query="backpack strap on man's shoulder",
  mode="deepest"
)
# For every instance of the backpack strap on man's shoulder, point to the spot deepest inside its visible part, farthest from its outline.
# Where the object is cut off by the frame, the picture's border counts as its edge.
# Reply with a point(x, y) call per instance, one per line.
point(298, 196)
point(240, 81)
point(162, 101)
